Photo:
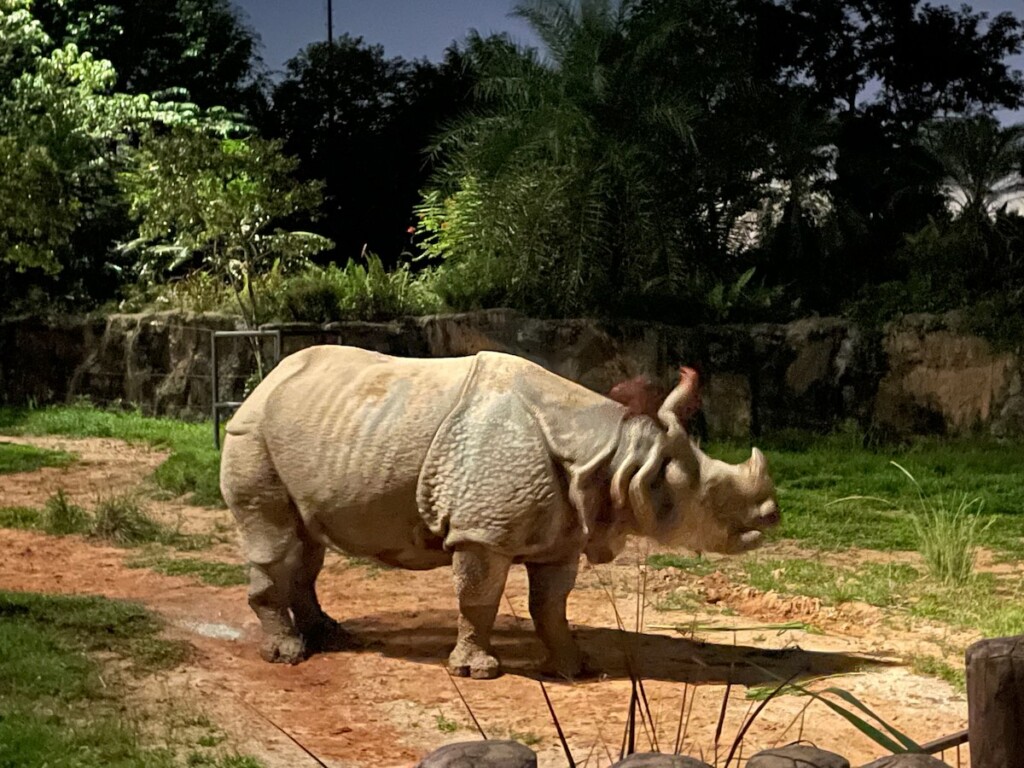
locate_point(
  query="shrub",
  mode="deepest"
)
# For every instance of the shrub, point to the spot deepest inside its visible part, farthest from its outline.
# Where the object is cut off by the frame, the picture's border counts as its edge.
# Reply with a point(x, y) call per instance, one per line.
point(357, 292)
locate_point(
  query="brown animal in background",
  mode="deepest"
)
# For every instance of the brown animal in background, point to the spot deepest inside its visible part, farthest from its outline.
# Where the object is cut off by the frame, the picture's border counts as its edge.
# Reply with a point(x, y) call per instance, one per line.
point(642, 397)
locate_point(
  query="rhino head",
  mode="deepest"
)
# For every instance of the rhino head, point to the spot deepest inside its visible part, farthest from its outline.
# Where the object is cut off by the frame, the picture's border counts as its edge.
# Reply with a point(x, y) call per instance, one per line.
point(680, 496)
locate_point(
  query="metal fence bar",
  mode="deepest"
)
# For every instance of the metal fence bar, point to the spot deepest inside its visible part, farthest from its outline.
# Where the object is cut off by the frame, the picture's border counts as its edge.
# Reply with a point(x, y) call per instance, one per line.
point(219, 405)
point(946, 742)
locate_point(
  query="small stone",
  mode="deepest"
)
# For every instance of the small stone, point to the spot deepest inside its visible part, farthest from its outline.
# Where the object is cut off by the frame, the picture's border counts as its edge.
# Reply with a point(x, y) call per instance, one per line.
point(657, 760)
point(481, 754)
point(797, 756)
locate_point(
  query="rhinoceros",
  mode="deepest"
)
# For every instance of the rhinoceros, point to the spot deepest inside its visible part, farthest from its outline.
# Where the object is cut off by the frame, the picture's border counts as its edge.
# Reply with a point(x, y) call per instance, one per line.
point(476, 462)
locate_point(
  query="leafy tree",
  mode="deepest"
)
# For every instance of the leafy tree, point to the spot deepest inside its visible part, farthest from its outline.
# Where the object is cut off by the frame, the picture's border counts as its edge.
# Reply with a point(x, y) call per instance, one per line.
point(61, 124)
point(884, 69)
point(361, 122)
point(201, 46)
point(217, 205)
point(611, 175)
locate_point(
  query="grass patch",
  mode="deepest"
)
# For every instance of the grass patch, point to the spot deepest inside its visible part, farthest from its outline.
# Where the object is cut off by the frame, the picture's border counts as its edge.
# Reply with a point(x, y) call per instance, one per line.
point(192, 468)
point(22, 518)
point(985, 604)
point(85, 625)
point(61, 517)
point(677, 600)
point(872, 583)
point(122, 520)
point(696, 565)
point(445, 724)
point(811, 472)
point(57, 708)
point(932, 666)
point(208, 572)
point(28, 458)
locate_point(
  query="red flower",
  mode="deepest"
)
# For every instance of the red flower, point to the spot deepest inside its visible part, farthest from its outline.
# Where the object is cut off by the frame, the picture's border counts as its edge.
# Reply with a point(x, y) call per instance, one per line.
point(411, 230)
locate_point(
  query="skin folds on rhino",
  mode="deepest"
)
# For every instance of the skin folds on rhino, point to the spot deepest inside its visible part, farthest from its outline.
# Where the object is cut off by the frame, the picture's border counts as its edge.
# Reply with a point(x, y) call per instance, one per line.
point(478, 462)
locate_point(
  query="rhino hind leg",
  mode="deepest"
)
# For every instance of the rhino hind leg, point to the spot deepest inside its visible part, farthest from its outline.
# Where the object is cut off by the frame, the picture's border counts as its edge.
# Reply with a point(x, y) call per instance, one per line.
point(269, 598)
point(283, 561)
point(480, 576)
point(320, 631)
point(550, 584)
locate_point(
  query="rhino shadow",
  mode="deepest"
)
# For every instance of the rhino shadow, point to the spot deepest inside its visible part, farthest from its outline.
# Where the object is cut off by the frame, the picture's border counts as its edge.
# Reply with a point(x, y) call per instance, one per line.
point(428, 636)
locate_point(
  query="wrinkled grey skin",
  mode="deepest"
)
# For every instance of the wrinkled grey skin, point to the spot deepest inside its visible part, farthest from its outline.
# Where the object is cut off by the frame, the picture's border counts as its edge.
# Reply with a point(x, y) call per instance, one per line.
point(475, 462)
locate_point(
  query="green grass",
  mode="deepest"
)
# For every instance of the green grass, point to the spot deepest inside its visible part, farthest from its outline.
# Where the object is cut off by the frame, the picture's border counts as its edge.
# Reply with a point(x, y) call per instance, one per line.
point(192, 468)
point(933, 666)
point(872, 583)
point(699, 566)
point(27, 458)
point(22, 518)
point(985, 604)
point(122, 520)
point(57, 706)
point(215, 574)
point(445, 725)
point(62, 517)
point(812, 472)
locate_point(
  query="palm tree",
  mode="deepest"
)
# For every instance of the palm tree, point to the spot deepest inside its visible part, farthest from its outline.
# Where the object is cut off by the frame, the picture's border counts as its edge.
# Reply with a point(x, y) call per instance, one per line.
point(980, 162)
point(558, 151)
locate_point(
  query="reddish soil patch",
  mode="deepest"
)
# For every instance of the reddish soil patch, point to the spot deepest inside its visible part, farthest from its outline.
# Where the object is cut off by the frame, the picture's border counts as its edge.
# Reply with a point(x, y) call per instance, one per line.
point(390, 701)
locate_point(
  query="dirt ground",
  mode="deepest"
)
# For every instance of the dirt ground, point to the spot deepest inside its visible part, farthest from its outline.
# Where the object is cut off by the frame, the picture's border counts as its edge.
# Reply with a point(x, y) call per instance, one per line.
point(390, 701)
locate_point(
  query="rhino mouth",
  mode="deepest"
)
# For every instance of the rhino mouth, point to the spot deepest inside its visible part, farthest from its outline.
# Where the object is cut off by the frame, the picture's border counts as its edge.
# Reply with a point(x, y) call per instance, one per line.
point(753, 537)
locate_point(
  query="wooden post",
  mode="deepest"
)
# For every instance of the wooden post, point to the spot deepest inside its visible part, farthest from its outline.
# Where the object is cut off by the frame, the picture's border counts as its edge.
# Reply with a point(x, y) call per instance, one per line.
point(995, 702)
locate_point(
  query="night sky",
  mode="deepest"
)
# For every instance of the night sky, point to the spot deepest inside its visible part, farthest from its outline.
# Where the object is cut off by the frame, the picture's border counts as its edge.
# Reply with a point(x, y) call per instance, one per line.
point(411, 29)
point(422, 28)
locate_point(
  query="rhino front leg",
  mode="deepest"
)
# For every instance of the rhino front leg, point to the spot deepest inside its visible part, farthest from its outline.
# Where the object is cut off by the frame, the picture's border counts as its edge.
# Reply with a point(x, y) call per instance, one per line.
point(550, 584)
point(479, 582)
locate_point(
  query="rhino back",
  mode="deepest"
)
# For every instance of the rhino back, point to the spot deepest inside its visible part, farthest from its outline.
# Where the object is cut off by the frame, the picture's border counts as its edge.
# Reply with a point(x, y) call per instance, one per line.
point(347, 433)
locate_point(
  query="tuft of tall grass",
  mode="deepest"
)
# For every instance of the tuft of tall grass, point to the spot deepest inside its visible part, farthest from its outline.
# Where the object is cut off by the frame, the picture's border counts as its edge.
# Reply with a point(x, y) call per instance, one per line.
point(61, 517)
point(22, 518)
point(948, 531)
point(122, 520)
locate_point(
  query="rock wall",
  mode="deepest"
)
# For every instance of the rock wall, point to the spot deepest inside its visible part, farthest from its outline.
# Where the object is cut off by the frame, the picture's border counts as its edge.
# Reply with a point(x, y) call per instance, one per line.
point(923, 375)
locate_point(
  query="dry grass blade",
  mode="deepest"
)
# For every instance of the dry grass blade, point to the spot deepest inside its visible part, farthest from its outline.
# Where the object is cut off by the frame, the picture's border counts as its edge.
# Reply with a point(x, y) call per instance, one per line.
point(558, 726)
point(682, 714)
point(721, 716)
point(750, 720)
point(466, 704)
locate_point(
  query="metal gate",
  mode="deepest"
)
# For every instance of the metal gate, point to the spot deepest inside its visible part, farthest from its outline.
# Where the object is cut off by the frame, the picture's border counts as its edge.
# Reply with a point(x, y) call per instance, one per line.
point(223, 405)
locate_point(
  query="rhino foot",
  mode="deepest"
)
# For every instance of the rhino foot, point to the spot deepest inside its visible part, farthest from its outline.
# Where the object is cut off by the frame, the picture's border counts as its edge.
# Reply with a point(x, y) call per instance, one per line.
point(327, 635)
point(575, 666)
point(474, 663)
point(283, 649)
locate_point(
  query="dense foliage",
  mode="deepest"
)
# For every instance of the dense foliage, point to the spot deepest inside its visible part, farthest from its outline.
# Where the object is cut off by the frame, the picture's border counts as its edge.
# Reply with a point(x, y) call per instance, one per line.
point(678, 160)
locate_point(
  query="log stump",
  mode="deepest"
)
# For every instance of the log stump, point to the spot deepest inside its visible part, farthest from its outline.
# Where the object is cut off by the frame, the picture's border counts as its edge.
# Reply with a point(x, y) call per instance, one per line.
point(995, 702)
